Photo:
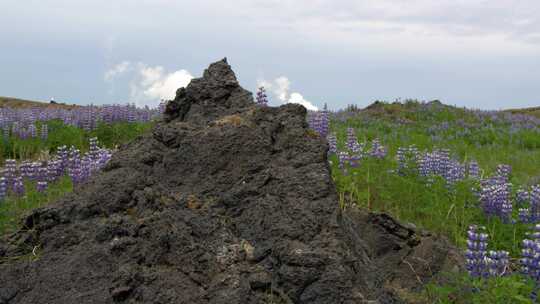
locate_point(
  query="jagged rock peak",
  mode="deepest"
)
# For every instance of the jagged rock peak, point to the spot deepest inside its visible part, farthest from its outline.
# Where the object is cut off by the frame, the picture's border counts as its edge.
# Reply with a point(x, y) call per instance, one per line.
point(217, 93)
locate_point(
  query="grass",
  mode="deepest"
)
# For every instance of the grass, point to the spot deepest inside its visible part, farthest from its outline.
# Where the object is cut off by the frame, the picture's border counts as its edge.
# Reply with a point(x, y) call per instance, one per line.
point(461, 288)
point(110, 136)
point(12, 209)
point(376, 186)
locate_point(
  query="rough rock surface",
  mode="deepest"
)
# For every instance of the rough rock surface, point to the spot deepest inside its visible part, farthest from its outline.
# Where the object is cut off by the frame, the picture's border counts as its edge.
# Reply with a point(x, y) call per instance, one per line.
point(224, 202)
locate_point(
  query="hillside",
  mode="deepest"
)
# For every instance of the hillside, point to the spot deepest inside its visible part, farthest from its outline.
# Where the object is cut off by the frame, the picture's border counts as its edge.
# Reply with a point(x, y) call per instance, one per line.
point(534, 111)
point(11, 102)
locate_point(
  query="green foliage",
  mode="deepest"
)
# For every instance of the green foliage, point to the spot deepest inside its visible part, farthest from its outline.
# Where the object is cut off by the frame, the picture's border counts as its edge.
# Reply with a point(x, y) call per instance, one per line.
point(60, 134)
point(375, 184)
point(464, 289)
point(13, 208)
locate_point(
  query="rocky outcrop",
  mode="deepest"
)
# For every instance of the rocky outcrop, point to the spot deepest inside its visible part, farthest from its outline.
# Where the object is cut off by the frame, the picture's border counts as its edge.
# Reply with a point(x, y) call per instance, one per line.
point(223, 202)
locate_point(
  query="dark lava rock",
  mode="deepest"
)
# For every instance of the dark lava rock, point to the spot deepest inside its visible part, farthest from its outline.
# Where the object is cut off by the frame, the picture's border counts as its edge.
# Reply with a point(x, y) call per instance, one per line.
point(224, 202)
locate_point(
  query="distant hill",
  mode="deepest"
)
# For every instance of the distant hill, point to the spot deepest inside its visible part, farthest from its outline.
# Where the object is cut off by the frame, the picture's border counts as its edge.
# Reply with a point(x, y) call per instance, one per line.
point(382, 108)
point(10, 102)
point(535, 111)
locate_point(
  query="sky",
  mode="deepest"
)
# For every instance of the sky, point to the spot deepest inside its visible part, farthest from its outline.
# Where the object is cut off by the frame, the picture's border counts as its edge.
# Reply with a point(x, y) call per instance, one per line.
point(477, 53)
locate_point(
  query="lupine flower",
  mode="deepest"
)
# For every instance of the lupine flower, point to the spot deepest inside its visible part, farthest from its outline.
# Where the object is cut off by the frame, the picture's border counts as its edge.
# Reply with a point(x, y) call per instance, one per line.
point(530, 255)
point(44, 131)
point(524, 215)
point(41, 186)
point(352, 141)
point(261, 97)
point(504, 172)
point(479, 261)
point(473, 170)
point(476, 254)
point(406, 158)
point(534, 203)
point(332, 143)
point(6, 132)
point(18, 186)
point(319, 121)
point(495, 200)
point(32, 130)
point(10, 170)
point(22, 122)
point(3, 188)
point(343, 158)
point(497, 262)
point(53, 170)
point(94, 149)
point(377, 150)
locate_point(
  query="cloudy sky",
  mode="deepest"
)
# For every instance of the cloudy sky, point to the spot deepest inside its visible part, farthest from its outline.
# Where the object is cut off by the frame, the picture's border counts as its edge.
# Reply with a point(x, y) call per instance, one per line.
point(476, 53)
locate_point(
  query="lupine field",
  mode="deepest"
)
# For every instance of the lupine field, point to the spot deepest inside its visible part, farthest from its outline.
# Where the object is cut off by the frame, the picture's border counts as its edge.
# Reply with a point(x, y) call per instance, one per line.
point(472, 176)
point(46, 152)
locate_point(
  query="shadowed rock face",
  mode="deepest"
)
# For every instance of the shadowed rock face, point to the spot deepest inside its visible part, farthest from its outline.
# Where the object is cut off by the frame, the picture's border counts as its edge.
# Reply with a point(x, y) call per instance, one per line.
point(224, 202)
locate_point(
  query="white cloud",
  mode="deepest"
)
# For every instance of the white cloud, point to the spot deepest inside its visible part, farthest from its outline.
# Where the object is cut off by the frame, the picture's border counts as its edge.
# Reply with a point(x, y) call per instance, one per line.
point(152, 84)
point(280, 87)
point(165, 86)
point(149, 84)
point(298, 98)
point(116, 70)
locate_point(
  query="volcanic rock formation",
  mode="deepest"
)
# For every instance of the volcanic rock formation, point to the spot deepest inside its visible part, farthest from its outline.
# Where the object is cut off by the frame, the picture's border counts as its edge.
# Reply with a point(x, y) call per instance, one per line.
point(223, 202)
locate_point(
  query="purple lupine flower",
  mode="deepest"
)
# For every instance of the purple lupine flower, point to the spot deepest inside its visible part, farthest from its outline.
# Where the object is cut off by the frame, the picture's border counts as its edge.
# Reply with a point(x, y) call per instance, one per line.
point(44, 131)
point(403, 162)
point(522, 197)
point(495, 201)
point(24, 168)
point(261, 97)
point(324, 122)
point(22, 122)
point(86, 168)
point(343, 158)
point(476, 253)
point(497, 262)
point(94, 149)
point(6, 131)
point(10, 171)
point(18, 186)
point(332, 143)
point(454, 173)
point(3, 188)
point(352, 141)
point(524, 215)
point(473, 170)
point(408, 158)
point(41, 186)
point(32, 171)
point(530, 254)
point(319, 122)
point(41, 172)
point(504, 172)
point(32, 130)
point(53, 170)
point(534, 203)
point(377, 150)
point(74, 165)
point(104, 157)
point(62, 155)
